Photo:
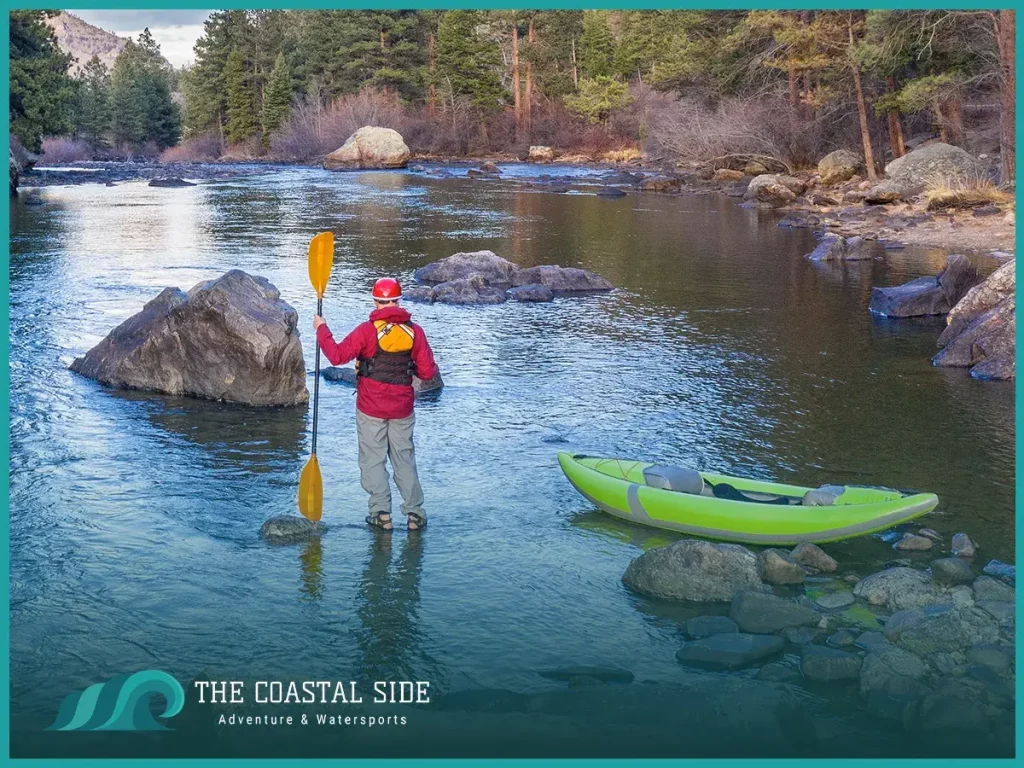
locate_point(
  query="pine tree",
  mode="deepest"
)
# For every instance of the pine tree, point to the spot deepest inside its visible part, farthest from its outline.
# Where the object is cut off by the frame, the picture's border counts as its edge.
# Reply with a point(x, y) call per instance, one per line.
point(468, 64)
point(94, 113)
point(597, 46)
point(241, 106)
point(41, 91)
point(277, 100)
point(140, 96)
point(126, 97)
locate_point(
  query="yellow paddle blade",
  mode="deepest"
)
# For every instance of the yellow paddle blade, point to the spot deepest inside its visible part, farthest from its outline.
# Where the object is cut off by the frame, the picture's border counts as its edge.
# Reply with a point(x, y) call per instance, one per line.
point(311, 490)
point(321, 257)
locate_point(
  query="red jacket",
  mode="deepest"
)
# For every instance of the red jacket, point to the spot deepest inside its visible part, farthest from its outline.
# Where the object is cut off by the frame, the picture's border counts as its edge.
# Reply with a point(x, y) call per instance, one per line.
point(377, 398)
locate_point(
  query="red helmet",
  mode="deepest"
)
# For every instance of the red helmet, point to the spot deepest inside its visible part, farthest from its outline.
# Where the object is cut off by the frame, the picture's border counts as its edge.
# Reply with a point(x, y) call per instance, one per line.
point(387, 289)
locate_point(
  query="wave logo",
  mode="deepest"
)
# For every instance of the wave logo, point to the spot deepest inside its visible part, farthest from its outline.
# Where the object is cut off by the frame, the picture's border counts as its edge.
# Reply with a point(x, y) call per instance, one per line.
point(121, 704)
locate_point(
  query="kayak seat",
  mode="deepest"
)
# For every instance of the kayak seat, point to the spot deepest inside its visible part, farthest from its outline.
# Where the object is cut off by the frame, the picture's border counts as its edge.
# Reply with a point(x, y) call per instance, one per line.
point(825, 496)
point(671, 478)
point(732, 493)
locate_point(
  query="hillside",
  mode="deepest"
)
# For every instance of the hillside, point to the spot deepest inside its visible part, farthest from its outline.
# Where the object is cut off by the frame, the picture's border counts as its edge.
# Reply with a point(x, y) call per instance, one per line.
point(83, 41)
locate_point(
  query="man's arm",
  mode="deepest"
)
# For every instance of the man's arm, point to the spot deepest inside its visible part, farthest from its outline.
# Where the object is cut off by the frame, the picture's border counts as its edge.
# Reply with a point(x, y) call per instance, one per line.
point(339, 354)
point(423, 357)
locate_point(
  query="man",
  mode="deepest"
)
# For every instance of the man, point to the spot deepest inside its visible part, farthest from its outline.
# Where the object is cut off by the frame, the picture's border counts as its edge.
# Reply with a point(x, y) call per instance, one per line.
point(390, 350)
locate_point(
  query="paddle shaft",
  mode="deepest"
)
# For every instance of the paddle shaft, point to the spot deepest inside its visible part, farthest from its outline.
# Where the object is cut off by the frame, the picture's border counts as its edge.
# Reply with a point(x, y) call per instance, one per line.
point(316, 377)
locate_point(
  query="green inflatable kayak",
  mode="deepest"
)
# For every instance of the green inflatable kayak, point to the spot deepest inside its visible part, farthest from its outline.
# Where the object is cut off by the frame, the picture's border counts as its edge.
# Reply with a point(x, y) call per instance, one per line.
point(737, 509)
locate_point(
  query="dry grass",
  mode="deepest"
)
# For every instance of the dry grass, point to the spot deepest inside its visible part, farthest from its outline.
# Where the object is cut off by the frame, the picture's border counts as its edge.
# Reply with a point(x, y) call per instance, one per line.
point(965, 194)
point(623, 155)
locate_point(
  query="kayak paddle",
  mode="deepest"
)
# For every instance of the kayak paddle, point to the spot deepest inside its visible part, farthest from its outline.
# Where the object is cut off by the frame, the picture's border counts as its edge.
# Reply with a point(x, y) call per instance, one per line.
point(311, 485)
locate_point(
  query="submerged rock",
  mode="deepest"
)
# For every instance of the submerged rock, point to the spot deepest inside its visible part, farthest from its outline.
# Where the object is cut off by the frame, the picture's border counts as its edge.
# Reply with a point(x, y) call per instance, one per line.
point(610, 192)
point(230, 339)
point(963, 546)
point(729, 651)
point(531, 292)
point(763, 613)
point(603, 674)
point(911, 542)
point(693, 570)
point(370, 147)
point(348, 376)
point(1001, 570)
point(171, 182)
point(823, 664)
point(952, 571)
point(927, 295)
point(289, 529)
point(835, 248)
point(835, 601)
point(705, 626)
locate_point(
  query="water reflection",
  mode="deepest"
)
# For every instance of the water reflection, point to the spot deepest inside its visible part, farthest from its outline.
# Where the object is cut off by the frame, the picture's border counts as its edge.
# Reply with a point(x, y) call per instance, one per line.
point(312, 570)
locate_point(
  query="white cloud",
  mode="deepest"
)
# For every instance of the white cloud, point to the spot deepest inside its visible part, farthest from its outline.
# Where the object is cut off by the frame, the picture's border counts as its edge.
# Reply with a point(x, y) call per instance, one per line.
point(176, 43)
point(175, 31)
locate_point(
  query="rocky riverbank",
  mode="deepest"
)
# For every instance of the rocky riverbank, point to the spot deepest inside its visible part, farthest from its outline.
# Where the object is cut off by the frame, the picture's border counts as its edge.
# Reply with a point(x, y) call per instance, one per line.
point(931, 649)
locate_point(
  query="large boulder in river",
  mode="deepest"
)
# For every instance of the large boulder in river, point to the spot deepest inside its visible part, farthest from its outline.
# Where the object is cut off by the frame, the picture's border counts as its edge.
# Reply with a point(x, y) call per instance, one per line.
point(468, 290)
point(981, 330)
point(693, 570)
point(839, 166)
point(495, 270)
point(927, 295)
point(541, 154)
point(775, 189)
point(370, 147)
point(230, 339)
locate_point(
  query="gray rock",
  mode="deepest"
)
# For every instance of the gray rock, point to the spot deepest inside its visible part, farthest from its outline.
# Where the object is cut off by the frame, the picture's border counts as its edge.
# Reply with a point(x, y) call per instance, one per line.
point(935, 164)
point(290, 529)
point(532, 292)
point(888, 191)
point(868, 640)
point(998, 658)
point(561, 280)
point(1001, 570)
point(981, 330)
point(831, 248)
point(930, 533)
point(762, 613)
point(948, 630)
point(170, 182)
point(823, 664)
point(801, 635)
point(814, 557)
point(961, 596)
point(952, 571)
point(468, 290)
point(927, 295)
point(1000, 610)
point(987, 588)
point(775, 567)
point(486, 264)
point(610, 192)
point(778, 672)
point(884, 662)
point(705, 626)
point(230, 339)
point(891, 683)
point(661, 184)
point(955, 707)
point(604, 674)
point(900, 621)
point(729, 651)
point(913, 543)
point(844, 638)
point(774, 189)
point(898, 589)
point(348, 376)
point(835, 601)
point(839, 166)
point(963, 546)
point(693, 570)
point(418, 293)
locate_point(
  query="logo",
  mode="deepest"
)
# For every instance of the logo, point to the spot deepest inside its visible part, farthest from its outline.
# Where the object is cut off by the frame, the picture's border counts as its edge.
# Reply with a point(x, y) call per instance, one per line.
point(121, 704)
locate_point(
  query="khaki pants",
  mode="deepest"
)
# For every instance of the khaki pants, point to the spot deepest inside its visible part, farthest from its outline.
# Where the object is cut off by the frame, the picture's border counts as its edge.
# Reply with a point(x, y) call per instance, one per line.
point(380, 440)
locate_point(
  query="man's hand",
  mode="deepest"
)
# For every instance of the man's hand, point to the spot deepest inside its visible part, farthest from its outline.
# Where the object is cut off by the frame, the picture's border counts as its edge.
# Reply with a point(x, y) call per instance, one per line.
point(318, 321)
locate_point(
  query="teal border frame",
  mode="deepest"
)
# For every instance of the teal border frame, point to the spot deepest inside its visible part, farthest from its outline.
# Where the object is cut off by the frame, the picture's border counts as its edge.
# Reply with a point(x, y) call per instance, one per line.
point(5, 758)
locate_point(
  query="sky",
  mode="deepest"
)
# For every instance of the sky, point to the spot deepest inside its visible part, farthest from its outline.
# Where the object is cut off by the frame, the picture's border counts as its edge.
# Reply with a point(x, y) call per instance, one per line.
point(175, 31)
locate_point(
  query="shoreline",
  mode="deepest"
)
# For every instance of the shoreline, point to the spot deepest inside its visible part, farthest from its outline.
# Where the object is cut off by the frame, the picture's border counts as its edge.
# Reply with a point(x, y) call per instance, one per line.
point(899, 224)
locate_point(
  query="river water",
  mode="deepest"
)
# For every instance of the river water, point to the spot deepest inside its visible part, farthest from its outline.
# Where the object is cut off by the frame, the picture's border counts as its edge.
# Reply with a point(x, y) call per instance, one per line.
point(134, 518)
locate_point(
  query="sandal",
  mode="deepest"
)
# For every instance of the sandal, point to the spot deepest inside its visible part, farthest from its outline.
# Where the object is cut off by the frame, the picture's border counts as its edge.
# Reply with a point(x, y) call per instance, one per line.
point(416, 521)
point(380, 520)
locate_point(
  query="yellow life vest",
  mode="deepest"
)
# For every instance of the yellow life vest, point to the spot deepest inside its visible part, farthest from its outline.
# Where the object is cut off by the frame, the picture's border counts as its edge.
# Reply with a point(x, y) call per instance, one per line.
point(392, 363)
